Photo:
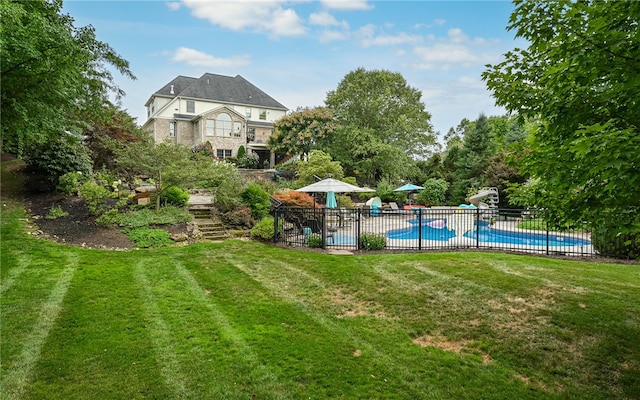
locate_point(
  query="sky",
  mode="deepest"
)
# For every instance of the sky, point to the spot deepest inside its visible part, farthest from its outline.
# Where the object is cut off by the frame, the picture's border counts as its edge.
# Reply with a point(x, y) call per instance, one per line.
point(297, 51)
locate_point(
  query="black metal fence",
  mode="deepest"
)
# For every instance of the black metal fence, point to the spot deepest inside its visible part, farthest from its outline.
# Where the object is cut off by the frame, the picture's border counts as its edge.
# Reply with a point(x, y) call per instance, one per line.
point(435, 228)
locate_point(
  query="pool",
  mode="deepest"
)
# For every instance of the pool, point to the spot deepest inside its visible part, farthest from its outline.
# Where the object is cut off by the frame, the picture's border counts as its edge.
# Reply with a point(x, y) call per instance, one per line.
point(437, 229)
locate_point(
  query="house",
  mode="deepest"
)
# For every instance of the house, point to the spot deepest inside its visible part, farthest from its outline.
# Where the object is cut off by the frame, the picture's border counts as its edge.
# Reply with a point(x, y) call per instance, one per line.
point(228, 112)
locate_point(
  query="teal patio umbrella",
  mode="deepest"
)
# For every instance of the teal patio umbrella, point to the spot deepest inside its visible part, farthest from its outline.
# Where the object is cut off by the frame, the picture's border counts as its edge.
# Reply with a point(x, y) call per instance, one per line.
point(331, 200)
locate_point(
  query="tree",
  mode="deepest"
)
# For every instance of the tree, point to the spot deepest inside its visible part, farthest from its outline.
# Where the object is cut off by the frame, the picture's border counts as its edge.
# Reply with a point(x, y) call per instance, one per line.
point(299, 132)
point(579, 79)
point(383, 121)
point(55, 76)
point(166, 163)
point(318, 164)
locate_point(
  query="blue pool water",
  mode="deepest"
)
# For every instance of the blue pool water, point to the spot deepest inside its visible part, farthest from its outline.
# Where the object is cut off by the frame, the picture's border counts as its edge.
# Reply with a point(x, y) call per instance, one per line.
point(438, 230)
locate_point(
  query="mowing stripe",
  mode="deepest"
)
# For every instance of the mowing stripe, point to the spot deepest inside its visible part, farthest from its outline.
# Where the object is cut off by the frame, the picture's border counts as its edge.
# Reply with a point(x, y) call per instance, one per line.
point(266, 377)
point(23, 262)
point(277, 285)
point(16, 380)
point(161, 337)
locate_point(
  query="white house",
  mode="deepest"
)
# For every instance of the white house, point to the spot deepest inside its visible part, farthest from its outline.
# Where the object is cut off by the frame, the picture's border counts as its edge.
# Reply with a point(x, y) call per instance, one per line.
point(228, 112)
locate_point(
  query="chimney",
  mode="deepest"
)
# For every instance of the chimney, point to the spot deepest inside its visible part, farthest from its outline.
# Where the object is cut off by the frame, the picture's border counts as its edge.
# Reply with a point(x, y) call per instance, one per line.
point(171, 91)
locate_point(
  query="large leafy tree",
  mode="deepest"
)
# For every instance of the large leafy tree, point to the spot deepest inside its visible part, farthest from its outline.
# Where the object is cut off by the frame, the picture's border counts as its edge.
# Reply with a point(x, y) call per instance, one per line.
point(300, 131)
point(55, 76)
point(382, 125)
point(579, 77)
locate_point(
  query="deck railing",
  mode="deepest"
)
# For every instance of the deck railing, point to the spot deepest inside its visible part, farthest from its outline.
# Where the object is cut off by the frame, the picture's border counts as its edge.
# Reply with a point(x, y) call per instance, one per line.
point(435, 228)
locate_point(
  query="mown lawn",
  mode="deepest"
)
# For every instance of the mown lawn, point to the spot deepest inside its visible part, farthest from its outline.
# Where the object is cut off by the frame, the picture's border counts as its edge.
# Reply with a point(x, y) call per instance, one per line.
point(242, 320)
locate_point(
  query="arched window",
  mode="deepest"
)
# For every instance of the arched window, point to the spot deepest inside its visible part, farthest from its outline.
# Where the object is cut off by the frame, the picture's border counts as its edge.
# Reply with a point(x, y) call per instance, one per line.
point(223, 125)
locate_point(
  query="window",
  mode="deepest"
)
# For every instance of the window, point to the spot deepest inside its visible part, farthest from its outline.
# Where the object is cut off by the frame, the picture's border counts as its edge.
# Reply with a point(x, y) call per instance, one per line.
point(247, 112)
point(237, 129)
point(191, 106)
point(223, 153)
point(251, 134)
point(172, 129)
point(209, 127)
point(263, 115)
point(223, 125)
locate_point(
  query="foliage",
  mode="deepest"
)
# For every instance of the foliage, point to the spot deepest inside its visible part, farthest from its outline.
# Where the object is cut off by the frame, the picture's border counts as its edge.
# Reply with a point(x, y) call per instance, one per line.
point(608, 237)
point(258, 200)
point(383, 121)
point(95, 197)
point(241, 152)
point(433, 193)
point(318, 164)
point(239, 217)
point(70, 182)
point(204, 149)
point(578, 80)
point(372, 241)
point(248, 160)
point(264, 230)
point(174, 196)
point(291, 198)
point(167, 164)
point(114, 130)
point(384, 190)
point(314, 240)
point(344, 201)
point(55, 76)
point(58, 157)
point(168, 215)
point(225, 181)
point(146, 237)
point(56, 212)
point(300, 131)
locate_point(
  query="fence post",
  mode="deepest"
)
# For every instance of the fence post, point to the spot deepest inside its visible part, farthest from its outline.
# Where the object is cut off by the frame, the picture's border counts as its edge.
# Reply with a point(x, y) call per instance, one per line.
point(546, 223)
point(324, 228)
point(478, 227)
point(419, 228)
point(275, 226)
point(358, 227)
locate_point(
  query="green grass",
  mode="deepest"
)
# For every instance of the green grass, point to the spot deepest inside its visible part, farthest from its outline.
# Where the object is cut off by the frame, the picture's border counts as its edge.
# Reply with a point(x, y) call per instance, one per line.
point(240, 320)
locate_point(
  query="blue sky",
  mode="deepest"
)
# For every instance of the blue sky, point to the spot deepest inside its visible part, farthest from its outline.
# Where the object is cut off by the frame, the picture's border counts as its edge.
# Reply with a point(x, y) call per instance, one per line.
point(297, 51)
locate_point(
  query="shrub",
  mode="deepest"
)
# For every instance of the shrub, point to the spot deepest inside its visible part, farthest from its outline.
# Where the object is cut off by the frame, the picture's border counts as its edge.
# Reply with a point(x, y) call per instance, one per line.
point(372, 241)
point(263, 231)
point(258, 200)
point(58, 157)
point(291, 198)
point(174, 196)
point(385, 191)
point(239, 217)
point(146, 237)
point(70, 182)
point(608, 240)
point(56, 212)
point(95, 197)
point(241, 152)
point(314, 240)
point(248, 161)
point(433, 193)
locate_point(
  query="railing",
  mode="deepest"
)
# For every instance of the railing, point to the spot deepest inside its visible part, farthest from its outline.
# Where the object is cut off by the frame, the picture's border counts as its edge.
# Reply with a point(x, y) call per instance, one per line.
point(436, 228)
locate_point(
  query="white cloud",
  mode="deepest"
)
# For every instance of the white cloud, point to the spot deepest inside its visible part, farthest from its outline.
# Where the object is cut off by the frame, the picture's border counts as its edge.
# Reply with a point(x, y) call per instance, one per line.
point(332, 36)
point(257, 16)
point(391, 40)
point(325, 19)
point(347, 4)
point(173, 5)
point(199, 59)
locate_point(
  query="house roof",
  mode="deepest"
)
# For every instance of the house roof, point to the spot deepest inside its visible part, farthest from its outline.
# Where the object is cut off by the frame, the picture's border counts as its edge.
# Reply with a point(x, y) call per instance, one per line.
point(260, 123)
point(219, 88)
